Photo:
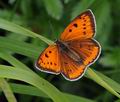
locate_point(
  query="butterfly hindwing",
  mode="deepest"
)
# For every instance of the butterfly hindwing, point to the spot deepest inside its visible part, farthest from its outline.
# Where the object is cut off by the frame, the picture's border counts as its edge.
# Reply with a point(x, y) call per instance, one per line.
point(71, 69)
point(81, 27)
point(49, 60)
point(87, 49)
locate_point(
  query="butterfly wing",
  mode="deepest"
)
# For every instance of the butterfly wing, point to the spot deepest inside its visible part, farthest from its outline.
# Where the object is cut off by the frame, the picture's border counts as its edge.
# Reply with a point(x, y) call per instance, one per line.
point(71, 69)
point(81, 27)
point(87, 49)
point(78, 38)
point(48, 61)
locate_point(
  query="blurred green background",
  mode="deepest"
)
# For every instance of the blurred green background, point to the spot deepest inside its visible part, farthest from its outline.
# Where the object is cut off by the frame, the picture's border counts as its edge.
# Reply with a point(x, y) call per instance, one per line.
point(49, 18)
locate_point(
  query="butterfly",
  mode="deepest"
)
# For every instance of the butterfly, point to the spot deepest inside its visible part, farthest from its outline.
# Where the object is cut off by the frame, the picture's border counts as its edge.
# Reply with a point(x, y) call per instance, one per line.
point(74, 51)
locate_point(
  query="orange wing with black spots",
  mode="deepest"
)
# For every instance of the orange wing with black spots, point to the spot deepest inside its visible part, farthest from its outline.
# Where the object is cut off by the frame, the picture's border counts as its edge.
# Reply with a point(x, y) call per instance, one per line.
point(82, 27)
point(87, 49)
point(49, 60)
point(75, 50)
point(71, 70)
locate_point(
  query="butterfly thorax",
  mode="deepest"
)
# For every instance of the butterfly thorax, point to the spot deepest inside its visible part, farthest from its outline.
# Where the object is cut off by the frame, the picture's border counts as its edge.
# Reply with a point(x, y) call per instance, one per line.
point(64, 48)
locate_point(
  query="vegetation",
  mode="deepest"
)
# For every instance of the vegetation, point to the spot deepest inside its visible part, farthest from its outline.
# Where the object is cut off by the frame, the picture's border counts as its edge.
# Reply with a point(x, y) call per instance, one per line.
point(27, 26)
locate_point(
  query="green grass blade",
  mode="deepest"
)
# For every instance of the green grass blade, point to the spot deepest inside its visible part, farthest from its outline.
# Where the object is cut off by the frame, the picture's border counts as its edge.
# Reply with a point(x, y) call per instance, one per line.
point(75, 98)
point(4, 55)
point(30, 90)
point(16, 63)
point(17, 47)
point(92, 75)
point(4, 24)
point(7, 90)
point(112, 83)
point(33, 79)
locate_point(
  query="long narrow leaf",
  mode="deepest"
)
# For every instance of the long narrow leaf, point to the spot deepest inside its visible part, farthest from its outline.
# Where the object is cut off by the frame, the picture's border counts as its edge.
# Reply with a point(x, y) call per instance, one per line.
point(33, 79)
point(4, 24)
point(91, 74)
point(7, 90)
point(30, 90)
point(17, 47)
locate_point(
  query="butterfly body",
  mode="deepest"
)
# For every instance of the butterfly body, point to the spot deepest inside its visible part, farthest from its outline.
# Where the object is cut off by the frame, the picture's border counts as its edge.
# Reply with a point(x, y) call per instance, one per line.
point(64, 48)
point(74, 51)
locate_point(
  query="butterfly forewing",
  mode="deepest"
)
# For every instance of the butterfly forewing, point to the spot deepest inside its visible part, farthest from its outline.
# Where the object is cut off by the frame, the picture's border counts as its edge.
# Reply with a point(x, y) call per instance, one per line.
point(81, 27)
point(49, 60)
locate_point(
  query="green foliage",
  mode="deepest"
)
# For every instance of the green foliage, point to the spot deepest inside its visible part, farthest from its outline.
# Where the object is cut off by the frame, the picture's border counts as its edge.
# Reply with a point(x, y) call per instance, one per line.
point(80, 7)
point(54, 8)
point(27, 26)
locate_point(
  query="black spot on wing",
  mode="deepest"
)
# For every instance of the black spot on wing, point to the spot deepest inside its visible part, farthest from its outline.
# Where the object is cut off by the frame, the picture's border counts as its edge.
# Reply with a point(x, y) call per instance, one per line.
point(70, 30)
point(51, 63)
point(83, 17)
point(84, 24)
point(50, 51)
point(84, 33)
point(75, 25)
point(55, 64)
point(46, 55)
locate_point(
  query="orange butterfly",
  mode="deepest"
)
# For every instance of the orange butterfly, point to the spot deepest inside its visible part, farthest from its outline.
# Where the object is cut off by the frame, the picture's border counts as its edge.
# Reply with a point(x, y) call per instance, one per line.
point(74, 51)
